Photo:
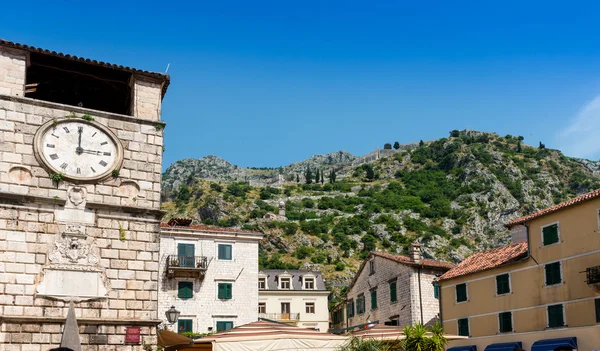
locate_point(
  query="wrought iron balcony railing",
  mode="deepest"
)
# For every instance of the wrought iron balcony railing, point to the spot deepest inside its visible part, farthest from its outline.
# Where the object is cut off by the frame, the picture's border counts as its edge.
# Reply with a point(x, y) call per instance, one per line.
point(193, 264)
point(280, 316)
point(593, 275)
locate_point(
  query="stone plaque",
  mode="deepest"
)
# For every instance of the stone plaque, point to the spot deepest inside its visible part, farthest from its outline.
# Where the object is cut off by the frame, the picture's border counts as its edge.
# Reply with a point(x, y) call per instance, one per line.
point(98, 339)
point(67, 283)
point(132, 335)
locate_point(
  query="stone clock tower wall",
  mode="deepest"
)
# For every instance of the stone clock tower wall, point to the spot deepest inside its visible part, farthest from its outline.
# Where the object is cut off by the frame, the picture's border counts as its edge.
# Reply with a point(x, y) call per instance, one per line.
point(97, 242)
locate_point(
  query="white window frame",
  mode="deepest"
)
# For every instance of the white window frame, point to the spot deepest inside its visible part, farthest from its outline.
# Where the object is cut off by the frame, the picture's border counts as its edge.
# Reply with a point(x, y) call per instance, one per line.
point(512, 322)
point(264, 281)
point(456, 295)
point(304, 280)
point(314, 306)
point(562, 277)
point(496, 283)
point(289, 280)
point(468, 325)
point(263, 303)
point(564, 312)
point(372, 266)
point(557, 231)
point(231, 243)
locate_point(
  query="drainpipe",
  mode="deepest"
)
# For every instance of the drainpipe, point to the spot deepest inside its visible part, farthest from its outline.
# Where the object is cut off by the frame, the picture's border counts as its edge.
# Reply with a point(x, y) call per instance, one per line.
point(440, 303)
point(420, 294)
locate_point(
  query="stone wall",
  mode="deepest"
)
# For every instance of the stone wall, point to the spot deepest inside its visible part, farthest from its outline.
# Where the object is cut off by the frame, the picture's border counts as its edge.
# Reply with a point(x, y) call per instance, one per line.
point(407, 310)
point(147, 98)
point(431, 307)
point(139, 175)
point(110, 236)
point(385, 271)
point(204, 308)
point(12, 72)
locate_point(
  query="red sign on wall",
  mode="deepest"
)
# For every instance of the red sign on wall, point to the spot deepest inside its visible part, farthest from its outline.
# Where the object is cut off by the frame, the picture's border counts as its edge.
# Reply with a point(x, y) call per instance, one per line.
point(132, 334)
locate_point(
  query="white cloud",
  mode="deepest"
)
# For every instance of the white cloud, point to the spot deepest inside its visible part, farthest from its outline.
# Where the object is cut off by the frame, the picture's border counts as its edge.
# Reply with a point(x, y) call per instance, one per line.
point(581, 137)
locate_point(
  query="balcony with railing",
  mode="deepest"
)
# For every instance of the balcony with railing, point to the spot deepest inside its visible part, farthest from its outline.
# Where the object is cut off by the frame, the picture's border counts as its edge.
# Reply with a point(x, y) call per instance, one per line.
point(289, 318)
point(186, 266)
point(593, 275)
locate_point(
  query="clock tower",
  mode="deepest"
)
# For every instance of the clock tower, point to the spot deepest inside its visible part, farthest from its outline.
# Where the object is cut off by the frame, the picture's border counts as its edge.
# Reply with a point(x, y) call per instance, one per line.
point(81, 147)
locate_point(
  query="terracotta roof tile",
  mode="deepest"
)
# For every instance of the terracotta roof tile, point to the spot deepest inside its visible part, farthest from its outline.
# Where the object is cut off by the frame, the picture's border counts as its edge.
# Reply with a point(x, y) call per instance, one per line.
point(207, 228)
point(581, 198)
point(160, 76)
point(488, 259)
point(406, 260)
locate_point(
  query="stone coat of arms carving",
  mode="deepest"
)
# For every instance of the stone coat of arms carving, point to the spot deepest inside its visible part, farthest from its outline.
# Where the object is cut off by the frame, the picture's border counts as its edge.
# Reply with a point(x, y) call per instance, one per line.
point(71, 250)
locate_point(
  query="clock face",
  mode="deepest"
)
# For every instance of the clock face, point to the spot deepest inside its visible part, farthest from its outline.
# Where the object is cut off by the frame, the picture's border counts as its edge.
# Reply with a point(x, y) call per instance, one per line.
point(78, 149)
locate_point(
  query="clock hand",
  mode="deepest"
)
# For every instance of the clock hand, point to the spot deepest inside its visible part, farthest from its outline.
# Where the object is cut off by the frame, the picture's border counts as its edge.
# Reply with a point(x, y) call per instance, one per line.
point(79, 149)
point(93, 152)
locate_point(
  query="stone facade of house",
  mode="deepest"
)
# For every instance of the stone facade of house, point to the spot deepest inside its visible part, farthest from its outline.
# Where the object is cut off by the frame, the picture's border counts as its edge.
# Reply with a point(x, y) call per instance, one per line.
point(402, 286)
point(193, 287)
point(91, 241)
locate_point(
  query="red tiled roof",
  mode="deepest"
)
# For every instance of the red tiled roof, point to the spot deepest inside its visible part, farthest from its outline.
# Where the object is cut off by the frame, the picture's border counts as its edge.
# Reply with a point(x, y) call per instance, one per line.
point(207, 228)
point(488, 259)
point(160, 76)
point(581, 198)
point(406, 260)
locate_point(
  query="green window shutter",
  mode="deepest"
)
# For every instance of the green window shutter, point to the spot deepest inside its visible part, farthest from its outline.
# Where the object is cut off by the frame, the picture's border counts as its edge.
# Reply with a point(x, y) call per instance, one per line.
point(224, 252)
point(184, 325)
point(597, 301)
point(373, 299)
point(228, 291)
point(185, 290)
point(461, 292)
point(393, 294)
point(505, 321)
point(222, 325)
point(463, 327)
point(550, 234)
point(221, 291)
point(350, 308)
point(502, 284)
point(436, 290)
point(555, 316)
point(552, 271)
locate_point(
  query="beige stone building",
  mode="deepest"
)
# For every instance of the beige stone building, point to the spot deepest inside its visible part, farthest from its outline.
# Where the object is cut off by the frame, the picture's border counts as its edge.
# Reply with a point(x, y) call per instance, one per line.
point(540, 293)
point(392, 290)
point(80, 168)
point(294, 297)
point(209, 274)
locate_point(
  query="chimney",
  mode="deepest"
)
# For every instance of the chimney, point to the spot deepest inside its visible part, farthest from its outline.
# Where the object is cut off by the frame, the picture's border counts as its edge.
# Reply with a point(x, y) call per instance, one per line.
point(414, 251)
point(518, 234)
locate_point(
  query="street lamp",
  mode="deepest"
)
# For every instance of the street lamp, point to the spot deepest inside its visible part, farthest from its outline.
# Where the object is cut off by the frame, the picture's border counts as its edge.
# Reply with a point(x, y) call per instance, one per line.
point(172, 315)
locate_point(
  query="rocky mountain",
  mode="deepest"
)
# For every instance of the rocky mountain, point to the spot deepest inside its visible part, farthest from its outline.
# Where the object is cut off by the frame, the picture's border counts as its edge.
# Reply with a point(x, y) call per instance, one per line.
point(452, 195)
point(213, 168)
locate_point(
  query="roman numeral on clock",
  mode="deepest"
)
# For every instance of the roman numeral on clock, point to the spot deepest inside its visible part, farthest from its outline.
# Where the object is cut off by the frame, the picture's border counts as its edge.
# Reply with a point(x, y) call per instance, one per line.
point(94, 134)
point(93, 170)
point(102, 163)
point(107, 154)
point(104, 143)
point(54, 156)
point(66, 129)
point(64, 165)
point(78, 170)
point(50, 145)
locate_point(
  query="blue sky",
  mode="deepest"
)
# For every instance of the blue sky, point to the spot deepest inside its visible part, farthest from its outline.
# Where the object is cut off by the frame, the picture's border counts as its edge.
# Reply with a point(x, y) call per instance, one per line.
point(267, 83)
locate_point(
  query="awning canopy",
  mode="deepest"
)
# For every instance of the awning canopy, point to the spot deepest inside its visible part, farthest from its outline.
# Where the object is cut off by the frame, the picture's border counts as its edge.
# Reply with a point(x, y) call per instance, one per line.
point(172, 341)
point(505, 346)
point(463, 348)
point(551, 344)
point(391, 333)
